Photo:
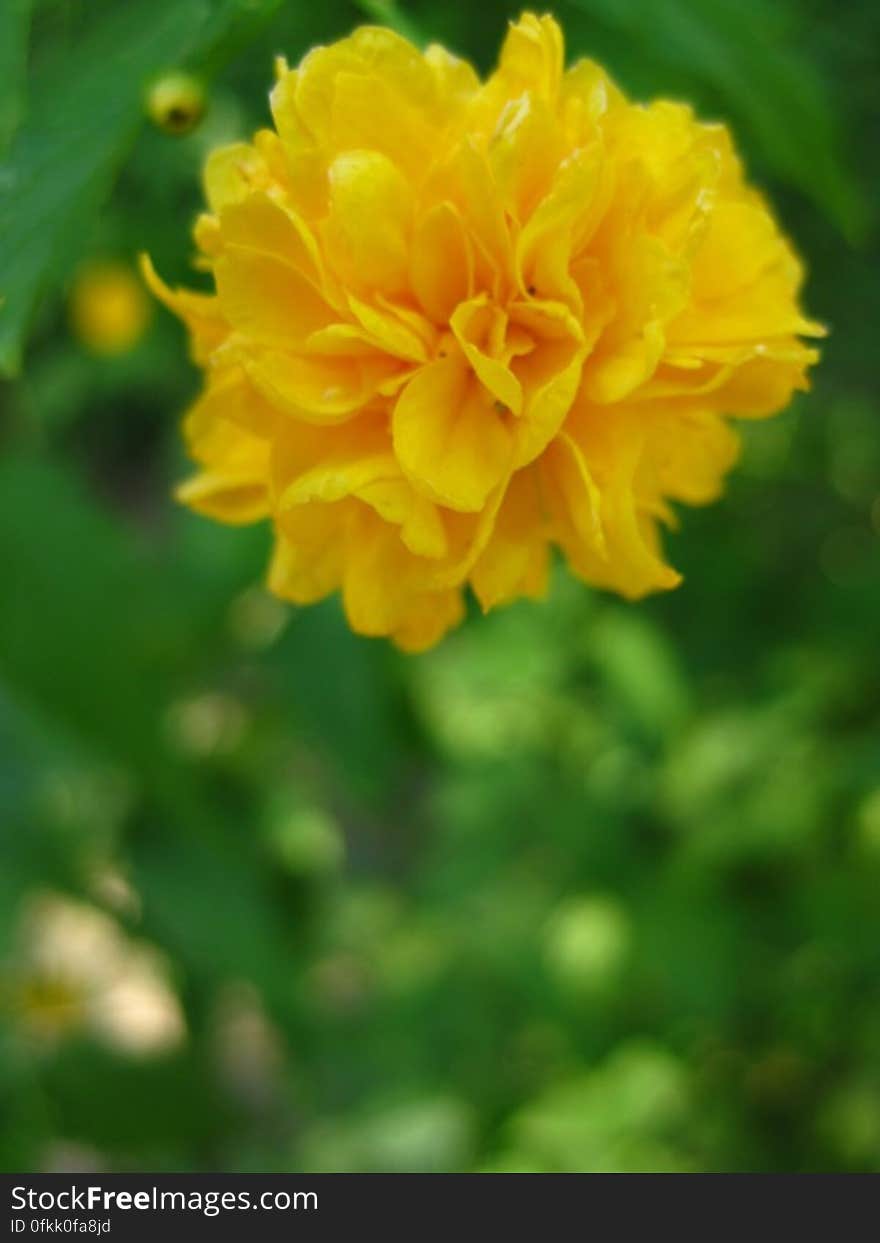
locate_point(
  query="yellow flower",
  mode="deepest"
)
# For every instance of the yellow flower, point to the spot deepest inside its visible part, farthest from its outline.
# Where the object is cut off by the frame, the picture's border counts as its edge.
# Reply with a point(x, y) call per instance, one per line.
point(459, 323)
point(109, 309)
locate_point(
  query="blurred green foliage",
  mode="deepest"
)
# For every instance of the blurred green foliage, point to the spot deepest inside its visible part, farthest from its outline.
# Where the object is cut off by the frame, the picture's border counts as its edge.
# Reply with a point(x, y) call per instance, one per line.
point(591, 886)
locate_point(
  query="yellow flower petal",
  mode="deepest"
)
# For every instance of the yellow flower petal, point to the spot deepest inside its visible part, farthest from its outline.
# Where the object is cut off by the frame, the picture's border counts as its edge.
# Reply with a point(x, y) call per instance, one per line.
point(200, 312)
point(565, 213)
point(421, 525)
point(232, 484)
point(318, 388)
point(572, 495)
point(532, 57)
point(381, 582)
point(231, 174)
point(691, 453)
point(388, 331)
point(357, 457)
point(225, 497)
point(310, 549)
point(262, 225)
point(366, 235)
point(266, 299)
point(372, 91)
point(441, 262)
point(429, 617)
point(525, 151)
point(449, 439)
point(473, 324)
point(456, 82)
point(549, 374)
point(629, 560)
point(515, 561)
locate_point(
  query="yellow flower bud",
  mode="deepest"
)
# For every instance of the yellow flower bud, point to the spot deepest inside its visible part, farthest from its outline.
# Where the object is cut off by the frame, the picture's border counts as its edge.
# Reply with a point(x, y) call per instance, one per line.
point(109, 309)
point(176, 103)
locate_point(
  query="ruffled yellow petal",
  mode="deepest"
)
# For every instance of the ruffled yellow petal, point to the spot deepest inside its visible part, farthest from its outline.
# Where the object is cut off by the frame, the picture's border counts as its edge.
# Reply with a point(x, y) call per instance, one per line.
point(532, 57)
point(429, 617)
point(480, 330)
point(396, 501)
point(516, 559)
point(525, 152)
point(318, 388)
point(450, 440)
point(441, 262)
point(200, 312)
point(388, 331)
point(258, 223)
point(382, 582)
point(561, 223)
point(365, 235)
point(628, 559)
point(357, 458)
point(550, 373)
point(372, 91)
point(690, 453)
point(309, 556)
point(232, 484)
point(225, 495)
point(267, 300)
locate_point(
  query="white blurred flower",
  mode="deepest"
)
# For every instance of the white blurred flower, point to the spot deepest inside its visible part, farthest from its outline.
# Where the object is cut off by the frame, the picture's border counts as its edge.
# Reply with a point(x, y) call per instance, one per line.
point(77, 971)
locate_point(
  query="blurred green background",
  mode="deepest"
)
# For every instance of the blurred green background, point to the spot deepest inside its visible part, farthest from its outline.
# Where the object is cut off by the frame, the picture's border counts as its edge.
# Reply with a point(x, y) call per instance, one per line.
point(592, 886)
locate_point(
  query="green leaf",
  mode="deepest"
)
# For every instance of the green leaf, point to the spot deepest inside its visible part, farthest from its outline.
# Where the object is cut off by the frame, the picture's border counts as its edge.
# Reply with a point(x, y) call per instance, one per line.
point(84, 112)
point(15, 16)
point(83, 628)
point(85, 108)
